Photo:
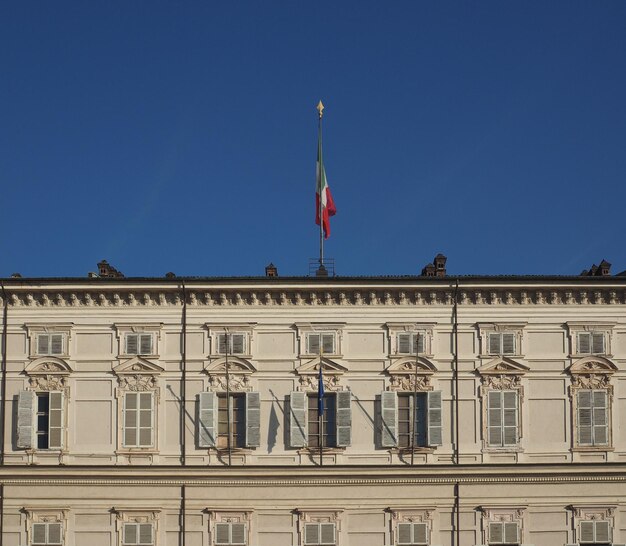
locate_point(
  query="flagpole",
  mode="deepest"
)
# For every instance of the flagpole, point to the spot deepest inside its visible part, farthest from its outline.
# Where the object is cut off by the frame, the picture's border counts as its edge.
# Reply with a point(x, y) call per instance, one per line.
point(320, 166)
point(227, 399)
point(417, 352)
point(320, 404)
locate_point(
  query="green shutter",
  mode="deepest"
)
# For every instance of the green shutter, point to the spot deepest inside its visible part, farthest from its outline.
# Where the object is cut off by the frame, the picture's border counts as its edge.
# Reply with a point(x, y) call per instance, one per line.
point(298, 406)
point(55, 420)
point(26, 407)
point(388, 419)
point(207, 419)
point(253, 419)
point(343, 418)
point(434, 427)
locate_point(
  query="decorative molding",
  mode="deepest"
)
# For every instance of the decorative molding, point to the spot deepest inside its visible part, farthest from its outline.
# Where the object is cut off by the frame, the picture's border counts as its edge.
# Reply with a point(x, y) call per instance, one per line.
point(403, 375)
point(332, 372)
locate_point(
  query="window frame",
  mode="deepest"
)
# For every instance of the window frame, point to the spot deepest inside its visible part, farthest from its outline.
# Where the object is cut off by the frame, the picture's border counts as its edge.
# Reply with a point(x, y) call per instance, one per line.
point(230, 518)
point(34, 330)
point(485, 329)
point(425, 330)
point(137, 410)
point(304, 329)
point(138, 541)
point(47, 541)
point(123, 330)
point(218, 329)
point(137, 516)
point(502, 444)
point(38, 516)
point(575, 328)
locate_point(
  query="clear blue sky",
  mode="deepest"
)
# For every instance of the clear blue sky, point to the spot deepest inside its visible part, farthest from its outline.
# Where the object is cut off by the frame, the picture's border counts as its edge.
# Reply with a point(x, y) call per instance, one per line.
point(181, 136)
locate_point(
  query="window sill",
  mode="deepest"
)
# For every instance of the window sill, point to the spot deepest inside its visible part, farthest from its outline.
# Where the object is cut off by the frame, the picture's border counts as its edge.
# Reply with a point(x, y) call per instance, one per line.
point(315, 450)
point(137, 451)
point(416, 449)
point(138, 355)
point(502, 449)
point(592, 448)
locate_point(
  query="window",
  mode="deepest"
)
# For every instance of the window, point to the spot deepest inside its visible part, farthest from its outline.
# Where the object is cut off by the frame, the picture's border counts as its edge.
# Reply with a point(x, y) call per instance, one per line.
point(400, 410)
point(501, 343)
point(408, 343)
point(327, 341)
point(593, 424)
point(412, 534)
point(319, 534)
point(236, 345)
point(46, 534)
point(231, 534)
point(304, 423)
point(504, 532)
point(138, 420)
point(135, 534)
point(40, 420)
point(50, 344)
point(590, 343)
point(139, 344)
point(502, 418)
point(244, 409)
point(595, 532)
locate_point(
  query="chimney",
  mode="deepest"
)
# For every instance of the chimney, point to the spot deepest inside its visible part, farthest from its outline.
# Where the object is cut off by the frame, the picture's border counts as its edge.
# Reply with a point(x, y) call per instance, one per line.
point(604, 269)
point(271, 270)
point(170, 275)
point(428, 270)
point(440, 265)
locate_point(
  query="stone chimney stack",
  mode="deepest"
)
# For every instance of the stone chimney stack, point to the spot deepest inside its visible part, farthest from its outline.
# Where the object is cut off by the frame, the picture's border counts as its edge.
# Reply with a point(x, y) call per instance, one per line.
point(271, 270)
point(108, 271)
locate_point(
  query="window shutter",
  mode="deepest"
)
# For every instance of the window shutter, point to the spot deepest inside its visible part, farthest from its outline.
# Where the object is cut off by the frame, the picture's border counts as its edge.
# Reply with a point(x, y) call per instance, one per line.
point(598, 344)
point(327, 533)
point(494, 344)
point(145, 533)
point(418, 343)
point(599, 417)
point(510, 418)
point(39, 533)
point(313, 344)
point(43, 344)
point(253, 419)
point(420, 533)
point(131, 344)
point(344, 418)
point(496, 533)
point(145, 419)
point(404, 343)
point(586, 531)
point(207, 417)
point(237, 342)
point(404, 533)
point(508, 344)
point(511, 533)
point(494, 417)
point(328, 343)
point(54, 533)
point(434, 430)
point(388, 418)
point(26, 403)
point(55, 421)
point(585, 435)
point(146, 344)
point(221, 344)
point(130, 533)
point(311, 533)
point(130, 419)
point(297, 419)
point(584, 343)
point(238, 534)
point(56, 344)
point(603, 531)
point(222, 533)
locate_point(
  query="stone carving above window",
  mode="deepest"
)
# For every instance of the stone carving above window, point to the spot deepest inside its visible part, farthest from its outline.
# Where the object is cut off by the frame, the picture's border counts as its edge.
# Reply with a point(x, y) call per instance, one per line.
point(405, 377)
point(239, 374)
point(332, 372)
point(48, 373)
point(502, 373)
point(592, 372)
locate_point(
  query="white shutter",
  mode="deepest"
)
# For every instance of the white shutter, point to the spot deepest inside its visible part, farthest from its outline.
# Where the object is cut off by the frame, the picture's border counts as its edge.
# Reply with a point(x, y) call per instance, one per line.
point(26, 404)
point(311, 534)
point(56, 344)
point(496, 533)
point(494, 418)
point(404, 534)
point(298, 419)
point(221, 344)
point(603, 531)
point(313, 344)
point(585, 429)
point(207, 419)
point(508, 344)
point(494, 344)
point(146, 344)
point(39, 533)
point(222, 533)
point(132, 344)
point(145, 419)
point(145, 533)
point(238, 532)
point(55, 420)
point(511, 533)
point(253, 419)
point(510, 418)
point(599, 418)
point(43, 344)
point(388, 419)
point(404, 343)
point(587, 531)
point(54, 534)
point(420, 533)
point(130, 429)
point(418, 343)
point(584, 343)
point(130, 533)
point(343, 418)
point(238, 343)
point(434, 429)
point(597, 342)
point(327, 533)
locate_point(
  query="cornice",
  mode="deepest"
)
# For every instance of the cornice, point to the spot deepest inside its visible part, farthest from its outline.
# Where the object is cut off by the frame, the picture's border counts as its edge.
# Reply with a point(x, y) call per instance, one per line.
point(351, 295)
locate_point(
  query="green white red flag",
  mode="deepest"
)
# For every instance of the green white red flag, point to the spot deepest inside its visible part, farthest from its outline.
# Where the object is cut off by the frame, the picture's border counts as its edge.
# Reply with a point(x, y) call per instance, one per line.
point(324, 203)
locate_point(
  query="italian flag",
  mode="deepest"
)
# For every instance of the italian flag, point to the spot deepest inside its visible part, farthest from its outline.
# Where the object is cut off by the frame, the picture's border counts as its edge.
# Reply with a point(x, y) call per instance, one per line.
point(322, 194)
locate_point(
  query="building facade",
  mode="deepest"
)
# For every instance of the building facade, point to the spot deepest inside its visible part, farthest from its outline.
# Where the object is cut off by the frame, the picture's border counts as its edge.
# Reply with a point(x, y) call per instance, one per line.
point(457, 411)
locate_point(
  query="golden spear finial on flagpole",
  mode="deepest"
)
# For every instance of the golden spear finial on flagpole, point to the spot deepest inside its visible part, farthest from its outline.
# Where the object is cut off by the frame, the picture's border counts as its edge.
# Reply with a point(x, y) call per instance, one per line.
point(320, 109)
